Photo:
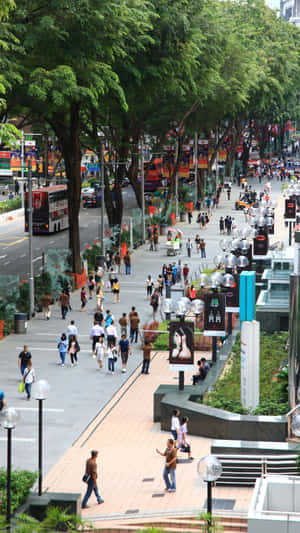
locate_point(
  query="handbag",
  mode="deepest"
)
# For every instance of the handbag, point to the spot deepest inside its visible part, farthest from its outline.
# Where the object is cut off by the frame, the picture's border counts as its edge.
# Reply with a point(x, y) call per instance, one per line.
point(86, 478)
point(115, 359)
point(21, 386)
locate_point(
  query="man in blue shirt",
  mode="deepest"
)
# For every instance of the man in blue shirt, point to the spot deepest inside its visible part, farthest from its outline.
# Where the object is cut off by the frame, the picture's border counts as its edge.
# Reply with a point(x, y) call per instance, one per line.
point(2, 400)
point(124, 348)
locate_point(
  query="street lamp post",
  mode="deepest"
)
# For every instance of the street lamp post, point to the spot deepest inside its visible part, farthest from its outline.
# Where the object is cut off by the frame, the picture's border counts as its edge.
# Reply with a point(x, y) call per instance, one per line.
point(30, 231)
point(143, 194)
point(209, 469)
point(9, 417)
point(102, 202)
point(41, 394)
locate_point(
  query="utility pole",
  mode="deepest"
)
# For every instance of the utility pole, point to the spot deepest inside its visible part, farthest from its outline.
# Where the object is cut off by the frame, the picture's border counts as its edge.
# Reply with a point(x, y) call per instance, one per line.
point(22, 169)
point(143, 193)
point(196, 166)
point(31, 274)
point(102, 203)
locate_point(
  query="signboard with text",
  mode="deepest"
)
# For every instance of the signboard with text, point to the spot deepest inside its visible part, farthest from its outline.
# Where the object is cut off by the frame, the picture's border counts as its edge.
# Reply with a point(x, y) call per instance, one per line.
point(214, 315)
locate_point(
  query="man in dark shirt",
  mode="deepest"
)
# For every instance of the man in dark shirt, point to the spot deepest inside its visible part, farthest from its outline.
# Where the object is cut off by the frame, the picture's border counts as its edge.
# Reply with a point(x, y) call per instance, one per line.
point(98, 317)
point(91, 471)
point(23, 359)
point(124, 348)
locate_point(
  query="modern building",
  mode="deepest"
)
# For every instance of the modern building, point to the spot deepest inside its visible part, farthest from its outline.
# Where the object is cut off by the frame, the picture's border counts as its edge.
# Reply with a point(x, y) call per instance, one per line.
point(290, 11)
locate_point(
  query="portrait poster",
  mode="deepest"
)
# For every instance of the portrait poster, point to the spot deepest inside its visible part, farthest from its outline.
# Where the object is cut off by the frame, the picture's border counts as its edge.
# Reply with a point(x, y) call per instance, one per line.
point(181, 344)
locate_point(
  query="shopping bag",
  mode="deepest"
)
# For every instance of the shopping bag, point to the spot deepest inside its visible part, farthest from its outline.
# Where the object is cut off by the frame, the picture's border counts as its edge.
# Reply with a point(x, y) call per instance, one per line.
point(21, 386)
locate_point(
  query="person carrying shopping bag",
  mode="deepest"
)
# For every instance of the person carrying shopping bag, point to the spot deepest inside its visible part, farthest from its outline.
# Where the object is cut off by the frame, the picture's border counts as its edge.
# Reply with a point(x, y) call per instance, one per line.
point(28, 379)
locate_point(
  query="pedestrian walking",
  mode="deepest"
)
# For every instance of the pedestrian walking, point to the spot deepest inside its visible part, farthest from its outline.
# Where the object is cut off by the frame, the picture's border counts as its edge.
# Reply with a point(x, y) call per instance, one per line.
point(149, 286)
point(111, 354)
point(99, 297)
point(151, 242)
point(23, 359)
point(99, 352)
point(197, 243)
point(83, 299)
point(116, 291)
point(147, 347)
point(64, 304)
point(72, 330)
point(190, 217)
point(169, 473)
point(186, 271)
point(175, 423)
point(62, 346)
point(124, 350)
point(46, 302)
point(221, 225)
point(127, 262)
point(154, 302)
point(192, 293)
point(118, 262)
point(123, 323)
point(90, 478)
point(155, 240)
point(98, 316)
point(134, 326)
point(111, 334)
point(182, 444)
point(228, 192)
point(73, 350)
point(203, 248)
point(189, 247)
point(97, 331)
point(91, 286)
point(108, 319)
point(160, 284)
point(28, 379)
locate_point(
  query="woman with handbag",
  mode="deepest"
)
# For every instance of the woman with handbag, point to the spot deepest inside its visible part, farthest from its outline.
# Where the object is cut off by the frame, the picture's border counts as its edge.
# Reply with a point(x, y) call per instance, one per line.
point(28, 379)
point(111, 353)
point(99, 352)
point(73, 350)
point(182, 444)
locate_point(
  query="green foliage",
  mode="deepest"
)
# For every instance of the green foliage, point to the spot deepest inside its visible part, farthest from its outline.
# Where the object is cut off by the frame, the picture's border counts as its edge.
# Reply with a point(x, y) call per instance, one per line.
point(21, 483)
point(59, 520)
point(10, 205)
point(24, 523)
point(273, 382)
point(209, 524)
point(90, 255)
point(151, 529)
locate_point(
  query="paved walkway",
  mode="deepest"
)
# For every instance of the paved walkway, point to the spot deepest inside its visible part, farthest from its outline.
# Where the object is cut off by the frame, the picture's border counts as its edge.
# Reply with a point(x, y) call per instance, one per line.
point(80, 395)
point(127, 438)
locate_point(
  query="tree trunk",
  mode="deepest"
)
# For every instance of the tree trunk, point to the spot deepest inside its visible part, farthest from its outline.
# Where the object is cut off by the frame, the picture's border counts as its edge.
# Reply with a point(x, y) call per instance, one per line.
point(72, 155)
point(200, 183)
point(133, 170)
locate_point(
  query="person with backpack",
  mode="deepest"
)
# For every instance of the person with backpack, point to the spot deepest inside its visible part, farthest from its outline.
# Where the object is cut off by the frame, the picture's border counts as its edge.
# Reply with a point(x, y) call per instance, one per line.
point(154, 302)
point(28, 379)
point(73, 350)
point(62, 346)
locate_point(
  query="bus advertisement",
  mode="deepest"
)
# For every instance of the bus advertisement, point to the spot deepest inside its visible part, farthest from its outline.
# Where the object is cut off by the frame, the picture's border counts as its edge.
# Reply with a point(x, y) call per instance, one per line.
point(49, 210)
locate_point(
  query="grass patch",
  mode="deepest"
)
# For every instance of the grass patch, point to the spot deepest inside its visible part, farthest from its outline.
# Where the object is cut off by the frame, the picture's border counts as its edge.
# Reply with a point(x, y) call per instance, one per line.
point(273, 381)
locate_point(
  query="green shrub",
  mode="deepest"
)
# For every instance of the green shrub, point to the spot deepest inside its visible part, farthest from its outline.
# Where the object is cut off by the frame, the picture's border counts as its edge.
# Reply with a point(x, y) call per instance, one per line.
point(273, 382)
point(21, 483)
point(90, 255)
point(10, 205)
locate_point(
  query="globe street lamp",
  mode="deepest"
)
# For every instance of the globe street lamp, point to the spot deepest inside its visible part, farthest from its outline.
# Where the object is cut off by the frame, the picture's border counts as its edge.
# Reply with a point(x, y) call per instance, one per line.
point(41, 390)
point(209, 469)
point(9, 418)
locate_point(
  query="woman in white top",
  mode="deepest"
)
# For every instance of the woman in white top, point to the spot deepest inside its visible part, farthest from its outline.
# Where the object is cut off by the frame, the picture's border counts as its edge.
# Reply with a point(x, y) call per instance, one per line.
point(28, 378)
point(99, 352)
point(111, 353)
point(175, 425)
point(182, 442)
point(149, 286)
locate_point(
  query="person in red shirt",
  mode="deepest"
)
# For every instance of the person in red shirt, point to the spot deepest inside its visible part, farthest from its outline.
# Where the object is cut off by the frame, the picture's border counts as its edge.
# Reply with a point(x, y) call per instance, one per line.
point(185, 273)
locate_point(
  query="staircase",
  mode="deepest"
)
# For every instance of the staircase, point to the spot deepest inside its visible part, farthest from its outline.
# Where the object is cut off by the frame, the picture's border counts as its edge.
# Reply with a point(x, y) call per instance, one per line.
point(230, 524)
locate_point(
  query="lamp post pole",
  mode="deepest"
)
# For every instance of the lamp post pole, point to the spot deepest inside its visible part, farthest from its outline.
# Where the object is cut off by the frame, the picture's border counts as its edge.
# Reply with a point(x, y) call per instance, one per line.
point(40, 466)
point(143, 194)
point(102, 203)
point(196, 166)
point(181, 372)
point(30, 255)
point(8, 478)
point(22, 169)
point(209, 504)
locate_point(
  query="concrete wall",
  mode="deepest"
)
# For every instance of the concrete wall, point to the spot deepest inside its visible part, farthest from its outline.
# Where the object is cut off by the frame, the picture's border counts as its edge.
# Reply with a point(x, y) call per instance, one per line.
point(214, 423)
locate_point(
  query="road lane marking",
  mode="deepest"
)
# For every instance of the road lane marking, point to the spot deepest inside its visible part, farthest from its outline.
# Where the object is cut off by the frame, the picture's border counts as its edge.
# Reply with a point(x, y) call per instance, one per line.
point(6, 263)
point(23, 255)
point(3, 256)
point(37, 259)
point(17, 242)
point(48, 409)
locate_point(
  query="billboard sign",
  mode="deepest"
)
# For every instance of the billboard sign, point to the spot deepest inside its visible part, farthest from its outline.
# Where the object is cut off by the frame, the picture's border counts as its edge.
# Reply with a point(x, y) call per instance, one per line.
point(214, 315)
point(181, 345)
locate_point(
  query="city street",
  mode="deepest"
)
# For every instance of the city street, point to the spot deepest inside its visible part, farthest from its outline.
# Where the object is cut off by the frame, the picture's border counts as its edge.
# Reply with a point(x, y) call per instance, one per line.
point(78, 394)
point(14, 240)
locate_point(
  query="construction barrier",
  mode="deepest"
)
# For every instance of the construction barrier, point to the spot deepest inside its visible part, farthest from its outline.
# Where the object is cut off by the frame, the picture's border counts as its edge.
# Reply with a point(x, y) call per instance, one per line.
point(80, 280)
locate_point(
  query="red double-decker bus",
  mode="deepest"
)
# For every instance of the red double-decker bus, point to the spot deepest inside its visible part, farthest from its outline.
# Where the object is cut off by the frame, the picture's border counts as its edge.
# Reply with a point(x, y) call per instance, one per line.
point(49, 209)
